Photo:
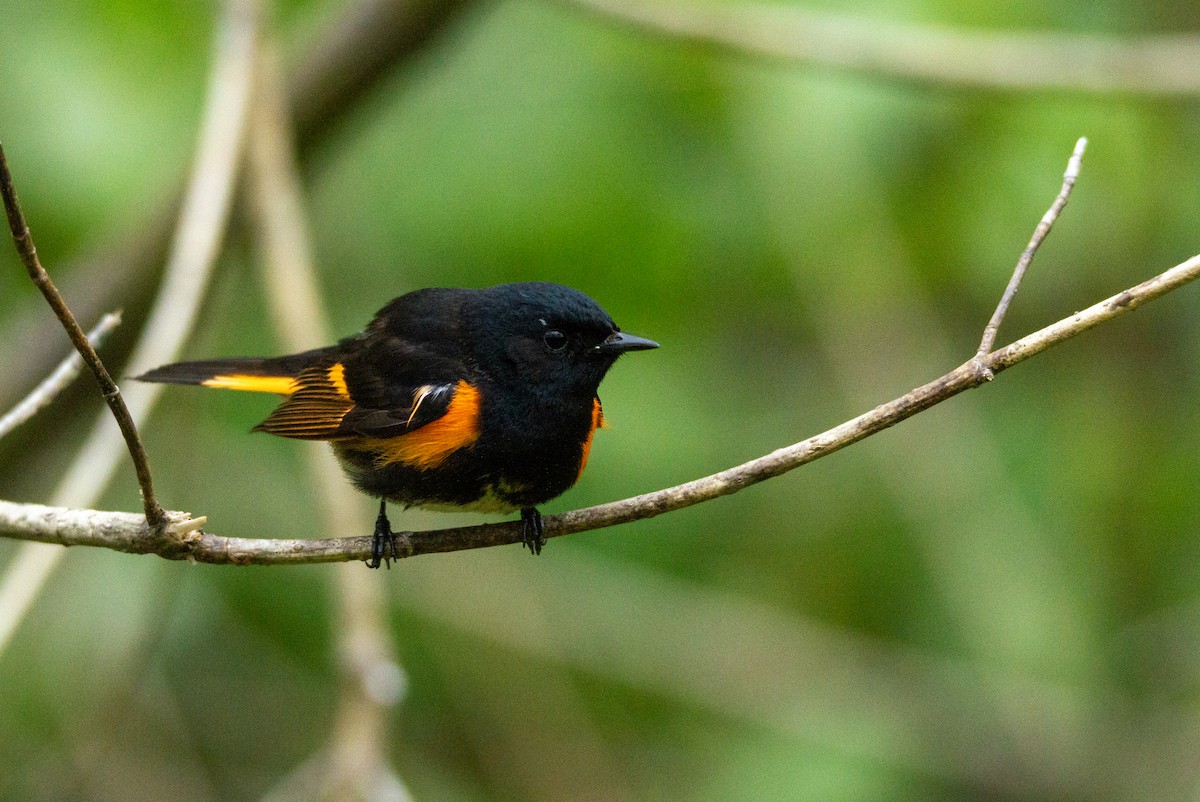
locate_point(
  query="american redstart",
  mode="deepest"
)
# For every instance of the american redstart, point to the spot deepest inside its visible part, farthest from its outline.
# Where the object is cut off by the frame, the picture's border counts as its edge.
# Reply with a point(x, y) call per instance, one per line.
point(451, 399)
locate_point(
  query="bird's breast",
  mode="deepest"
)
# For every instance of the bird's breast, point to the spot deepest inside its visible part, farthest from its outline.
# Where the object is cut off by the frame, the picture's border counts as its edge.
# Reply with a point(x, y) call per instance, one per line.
point(538, 446)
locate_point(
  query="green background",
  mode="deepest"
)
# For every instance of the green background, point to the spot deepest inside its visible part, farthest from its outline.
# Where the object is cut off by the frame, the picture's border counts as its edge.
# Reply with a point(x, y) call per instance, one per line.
point(994, 600)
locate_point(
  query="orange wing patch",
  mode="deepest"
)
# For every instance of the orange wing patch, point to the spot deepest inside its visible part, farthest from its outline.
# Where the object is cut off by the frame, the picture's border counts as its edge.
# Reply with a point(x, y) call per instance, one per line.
point(282, 385)
point(430, 445)
point(337, 377)
point(315, 408)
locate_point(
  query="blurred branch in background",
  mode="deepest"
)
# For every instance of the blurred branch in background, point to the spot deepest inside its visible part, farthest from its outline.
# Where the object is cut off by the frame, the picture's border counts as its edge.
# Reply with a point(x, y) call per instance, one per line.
point(327, 84)
point(1151, 65)
point(198, 236)
point(363, 44)
point(355, 763)
point(66, 372)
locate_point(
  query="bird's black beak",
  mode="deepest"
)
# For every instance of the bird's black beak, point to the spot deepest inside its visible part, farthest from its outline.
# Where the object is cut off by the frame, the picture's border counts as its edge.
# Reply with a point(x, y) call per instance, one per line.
point(619, 342)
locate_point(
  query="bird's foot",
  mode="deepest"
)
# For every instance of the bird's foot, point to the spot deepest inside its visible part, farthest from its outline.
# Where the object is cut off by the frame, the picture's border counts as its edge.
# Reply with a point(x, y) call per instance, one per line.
point(532, 530)
point(384, 548)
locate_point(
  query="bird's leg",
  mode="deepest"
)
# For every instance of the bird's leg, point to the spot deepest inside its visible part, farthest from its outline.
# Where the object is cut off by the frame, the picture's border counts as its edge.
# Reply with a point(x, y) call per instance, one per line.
point(383, 543)
point(532, 530)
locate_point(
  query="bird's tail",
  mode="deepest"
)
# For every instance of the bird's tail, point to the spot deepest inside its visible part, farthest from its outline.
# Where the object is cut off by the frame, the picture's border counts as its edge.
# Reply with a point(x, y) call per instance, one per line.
point(252, 374)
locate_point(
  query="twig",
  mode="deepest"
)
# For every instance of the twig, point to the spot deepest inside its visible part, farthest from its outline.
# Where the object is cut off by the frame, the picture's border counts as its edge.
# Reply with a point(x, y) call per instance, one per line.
point(1039, 234)
point(1162, 65)
point(59, 380)
point(23, 240)
point(122, 535)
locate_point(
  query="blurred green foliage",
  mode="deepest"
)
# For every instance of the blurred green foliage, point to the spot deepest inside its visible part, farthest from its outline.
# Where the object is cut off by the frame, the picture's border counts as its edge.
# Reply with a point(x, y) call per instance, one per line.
point(995, 600)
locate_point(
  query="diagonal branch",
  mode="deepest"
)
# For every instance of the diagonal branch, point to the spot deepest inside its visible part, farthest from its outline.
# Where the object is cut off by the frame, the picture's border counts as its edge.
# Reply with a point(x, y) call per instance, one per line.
point(23, 240)
point(124, 532)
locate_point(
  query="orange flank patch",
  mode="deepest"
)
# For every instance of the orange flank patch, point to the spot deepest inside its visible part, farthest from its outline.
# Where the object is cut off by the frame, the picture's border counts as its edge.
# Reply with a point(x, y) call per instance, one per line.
point(598, 422)
point(282, 385)
point(430, 445)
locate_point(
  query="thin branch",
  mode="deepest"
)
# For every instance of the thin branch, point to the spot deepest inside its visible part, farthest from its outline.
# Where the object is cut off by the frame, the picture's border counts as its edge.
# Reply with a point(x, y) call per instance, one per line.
point(1039, 235)
point(1162, 65)
point(124, 534)
point(59, 380)
point(23, 239)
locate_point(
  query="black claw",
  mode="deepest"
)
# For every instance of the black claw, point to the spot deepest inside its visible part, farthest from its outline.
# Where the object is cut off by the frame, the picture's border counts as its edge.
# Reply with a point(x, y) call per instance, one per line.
point(532, 530)
point(384, 547)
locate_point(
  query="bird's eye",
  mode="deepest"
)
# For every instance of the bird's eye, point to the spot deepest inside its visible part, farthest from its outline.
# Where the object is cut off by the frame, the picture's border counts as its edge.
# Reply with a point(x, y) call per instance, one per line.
point(555, 340)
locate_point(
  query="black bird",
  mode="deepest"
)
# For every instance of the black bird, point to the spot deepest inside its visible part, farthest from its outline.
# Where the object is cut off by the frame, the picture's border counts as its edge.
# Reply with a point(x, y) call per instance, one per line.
point(452, 399)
